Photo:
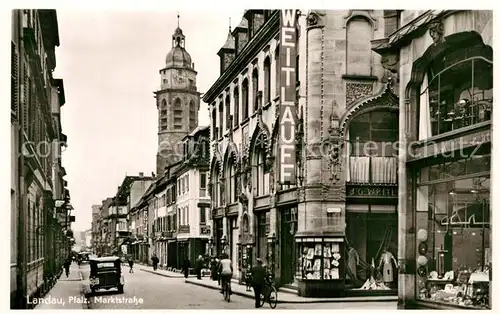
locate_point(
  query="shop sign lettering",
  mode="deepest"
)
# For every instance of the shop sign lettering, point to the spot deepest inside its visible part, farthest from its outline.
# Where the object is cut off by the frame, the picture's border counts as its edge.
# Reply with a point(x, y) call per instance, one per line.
point(372, 191)
point(288, 119)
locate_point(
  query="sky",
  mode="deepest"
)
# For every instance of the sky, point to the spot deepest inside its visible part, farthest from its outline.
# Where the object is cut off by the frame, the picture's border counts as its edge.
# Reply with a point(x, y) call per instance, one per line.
point(109, 61)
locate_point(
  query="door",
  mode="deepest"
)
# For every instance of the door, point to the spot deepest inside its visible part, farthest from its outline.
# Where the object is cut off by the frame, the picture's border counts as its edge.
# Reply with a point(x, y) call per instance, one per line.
point(287, 244)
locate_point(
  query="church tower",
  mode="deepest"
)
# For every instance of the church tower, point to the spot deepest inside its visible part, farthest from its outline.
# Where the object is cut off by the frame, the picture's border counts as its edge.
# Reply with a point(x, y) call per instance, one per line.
point(177, 101)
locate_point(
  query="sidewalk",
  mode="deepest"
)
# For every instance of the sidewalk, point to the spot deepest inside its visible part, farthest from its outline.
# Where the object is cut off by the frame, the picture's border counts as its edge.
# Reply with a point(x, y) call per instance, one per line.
point(161, 272)
point(66, 293)
point(286, 297)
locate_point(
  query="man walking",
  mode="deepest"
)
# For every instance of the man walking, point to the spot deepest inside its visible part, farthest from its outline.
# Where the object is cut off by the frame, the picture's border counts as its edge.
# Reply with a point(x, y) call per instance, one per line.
point(130, 264)
point(258, 279)
point(199, 266)
point(155, 261)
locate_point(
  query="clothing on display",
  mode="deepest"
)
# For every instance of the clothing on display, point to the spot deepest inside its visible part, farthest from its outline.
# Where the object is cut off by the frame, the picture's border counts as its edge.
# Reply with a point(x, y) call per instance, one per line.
point(386, 261)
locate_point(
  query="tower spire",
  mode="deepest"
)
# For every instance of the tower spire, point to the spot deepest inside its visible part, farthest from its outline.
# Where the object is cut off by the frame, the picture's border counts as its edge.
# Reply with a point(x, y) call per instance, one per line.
point(230, 24)
point(178, 17)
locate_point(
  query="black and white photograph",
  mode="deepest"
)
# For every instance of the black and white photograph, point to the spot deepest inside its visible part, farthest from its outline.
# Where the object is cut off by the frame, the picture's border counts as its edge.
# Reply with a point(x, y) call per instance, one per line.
point(244, 158)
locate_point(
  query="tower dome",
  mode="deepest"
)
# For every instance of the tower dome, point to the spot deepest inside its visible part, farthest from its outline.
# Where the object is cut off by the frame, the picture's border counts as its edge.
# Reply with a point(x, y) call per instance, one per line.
point(178, 57)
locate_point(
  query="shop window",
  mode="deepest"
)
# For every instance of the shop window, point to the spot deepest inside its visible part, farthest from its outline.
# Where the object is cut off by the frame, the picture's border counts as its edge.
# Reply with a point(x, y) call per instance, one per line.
point(456, 92)
point(236, 97)
point(454, 252)
point(320, 259)
point(263, 219)
point(372, 149)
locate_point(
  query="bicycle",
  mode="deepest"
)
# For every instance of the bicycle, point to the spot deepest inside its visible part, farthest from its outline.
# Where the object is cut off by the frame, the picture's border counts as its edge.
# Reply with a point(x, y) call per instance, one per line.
point(269, 294)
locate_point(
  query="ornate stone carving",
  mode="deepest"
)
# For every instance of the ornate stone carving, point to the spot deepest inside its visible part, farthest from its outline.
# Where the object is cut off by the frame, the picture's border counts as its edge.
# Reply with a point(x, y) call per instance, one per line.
point(243, 199)
point(312, 19)
point(436, 30)
point(355, 91)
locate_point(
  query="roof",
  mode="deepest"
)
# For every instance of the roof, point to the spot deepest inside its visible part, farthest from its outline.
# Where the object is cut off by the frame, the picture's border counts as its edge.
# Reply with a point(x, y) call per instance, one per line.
point(105, 259)
point(178, 57)
point(197, 130)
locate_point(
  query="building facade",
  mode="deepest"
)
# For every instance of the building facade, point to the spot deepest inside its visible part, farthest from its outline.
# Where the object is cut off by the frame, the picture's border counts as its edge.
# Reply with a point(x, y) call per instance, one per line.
point(177, 101)
point(40, 210)
point(444, 63)
point(290, 182)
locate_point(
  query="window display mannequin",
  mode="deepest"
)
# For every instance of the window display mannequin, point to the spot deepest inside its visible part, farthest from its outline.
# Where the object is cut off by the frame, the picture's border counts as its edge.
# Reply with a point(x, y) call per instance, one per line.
point(386, 260)
point(352, 262)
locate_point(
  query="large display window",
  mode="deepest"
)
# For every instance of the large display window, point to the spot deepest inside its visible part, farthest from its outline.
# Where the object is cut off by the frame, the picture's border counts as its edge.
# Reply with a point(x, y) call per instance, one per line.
point(454, 246)
point(457, 91)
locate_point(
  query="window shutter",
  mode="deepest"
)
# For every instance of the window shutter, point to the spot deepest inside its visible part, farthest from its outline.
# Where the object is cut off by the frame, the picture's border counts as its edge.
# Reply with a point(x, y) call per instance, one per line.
point(14, 82)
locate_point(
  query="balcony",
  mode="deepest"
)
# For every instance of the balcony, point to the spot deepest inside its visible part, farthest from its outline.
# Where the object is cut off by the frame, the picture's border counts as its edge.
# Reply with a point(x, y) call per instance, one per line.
point(371, 170)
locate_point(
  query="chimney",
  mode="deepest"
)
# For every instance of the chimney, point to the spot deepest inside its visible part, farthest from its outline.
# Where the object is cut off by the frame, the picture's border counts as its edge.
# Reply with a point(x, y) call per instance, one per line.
point(193, 66)
point(141, 174)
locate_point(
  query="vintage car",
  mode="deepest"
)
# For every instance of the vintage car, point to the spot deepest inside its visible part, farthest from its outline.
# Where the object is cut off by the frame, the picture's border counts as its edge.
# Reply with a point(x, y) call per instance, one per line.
point(106, 273)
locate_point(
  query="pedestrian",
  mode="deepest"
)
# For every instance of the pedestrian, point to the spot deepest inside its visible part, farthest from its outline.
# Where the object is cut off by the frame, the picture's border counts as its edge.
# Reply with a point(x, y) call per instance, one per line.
point(155, 261)
point(186, 267)
point(213, 268)
point(199, 266)
point(258, 280)
point(217, 274)
point(67, 264)
point(131, 264)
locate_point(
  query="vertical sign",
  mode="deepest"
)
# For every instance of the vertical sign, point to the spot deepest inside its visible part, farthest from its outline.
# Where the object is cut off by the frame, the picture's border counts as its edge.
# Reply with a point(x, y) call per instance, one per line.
point(288, 51)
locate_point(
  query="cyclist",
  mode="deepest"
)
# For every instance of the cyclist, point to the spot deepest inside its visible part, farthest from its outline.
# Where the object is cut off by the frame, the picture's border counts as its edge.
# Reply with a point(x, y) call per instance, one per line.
point(226, 271)
point(259, 275)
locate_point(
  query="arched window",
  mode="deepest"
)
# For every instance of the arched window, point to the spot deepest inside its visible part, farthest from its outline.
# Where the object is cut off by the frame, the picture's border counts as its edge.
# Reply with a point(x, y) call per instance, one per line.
point(214, 123)
point(261, 178)
point(177, 114)
point(236, 102)
point(457, 91)
point(255, 89)
point(267, 80)
point(244, 99)
point(230, 183)
point(192, 115)
point(214, 179)
point(227, 103)
point(221, 118)
point(359, 53)
point(373, 155)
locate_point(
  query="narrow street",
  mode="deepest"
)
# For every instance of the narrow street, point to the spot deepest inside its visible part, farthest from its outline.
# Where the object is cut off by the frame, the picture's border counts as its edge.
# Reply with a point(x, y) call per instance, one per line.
point(158, 292)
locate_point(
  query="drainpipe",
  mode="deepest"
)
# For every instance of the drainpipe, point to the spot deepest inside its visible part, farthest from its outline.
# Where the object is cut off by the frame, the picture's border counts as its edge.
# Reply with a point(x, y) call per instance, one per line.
point(21, 244)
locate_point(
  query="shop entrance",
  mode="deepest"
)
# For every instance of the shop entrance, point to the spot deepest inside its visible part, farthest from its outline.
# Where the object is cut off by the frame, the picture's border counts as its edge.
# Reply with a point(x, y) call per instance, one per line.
point(369, 234)
point(287, 244)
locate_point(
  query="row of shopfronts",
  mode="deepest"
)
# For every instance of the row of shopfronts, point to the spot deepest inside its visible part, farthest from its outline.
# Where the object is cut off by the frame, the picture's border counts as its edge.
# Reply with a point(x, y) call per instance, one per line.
point(413, 219)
